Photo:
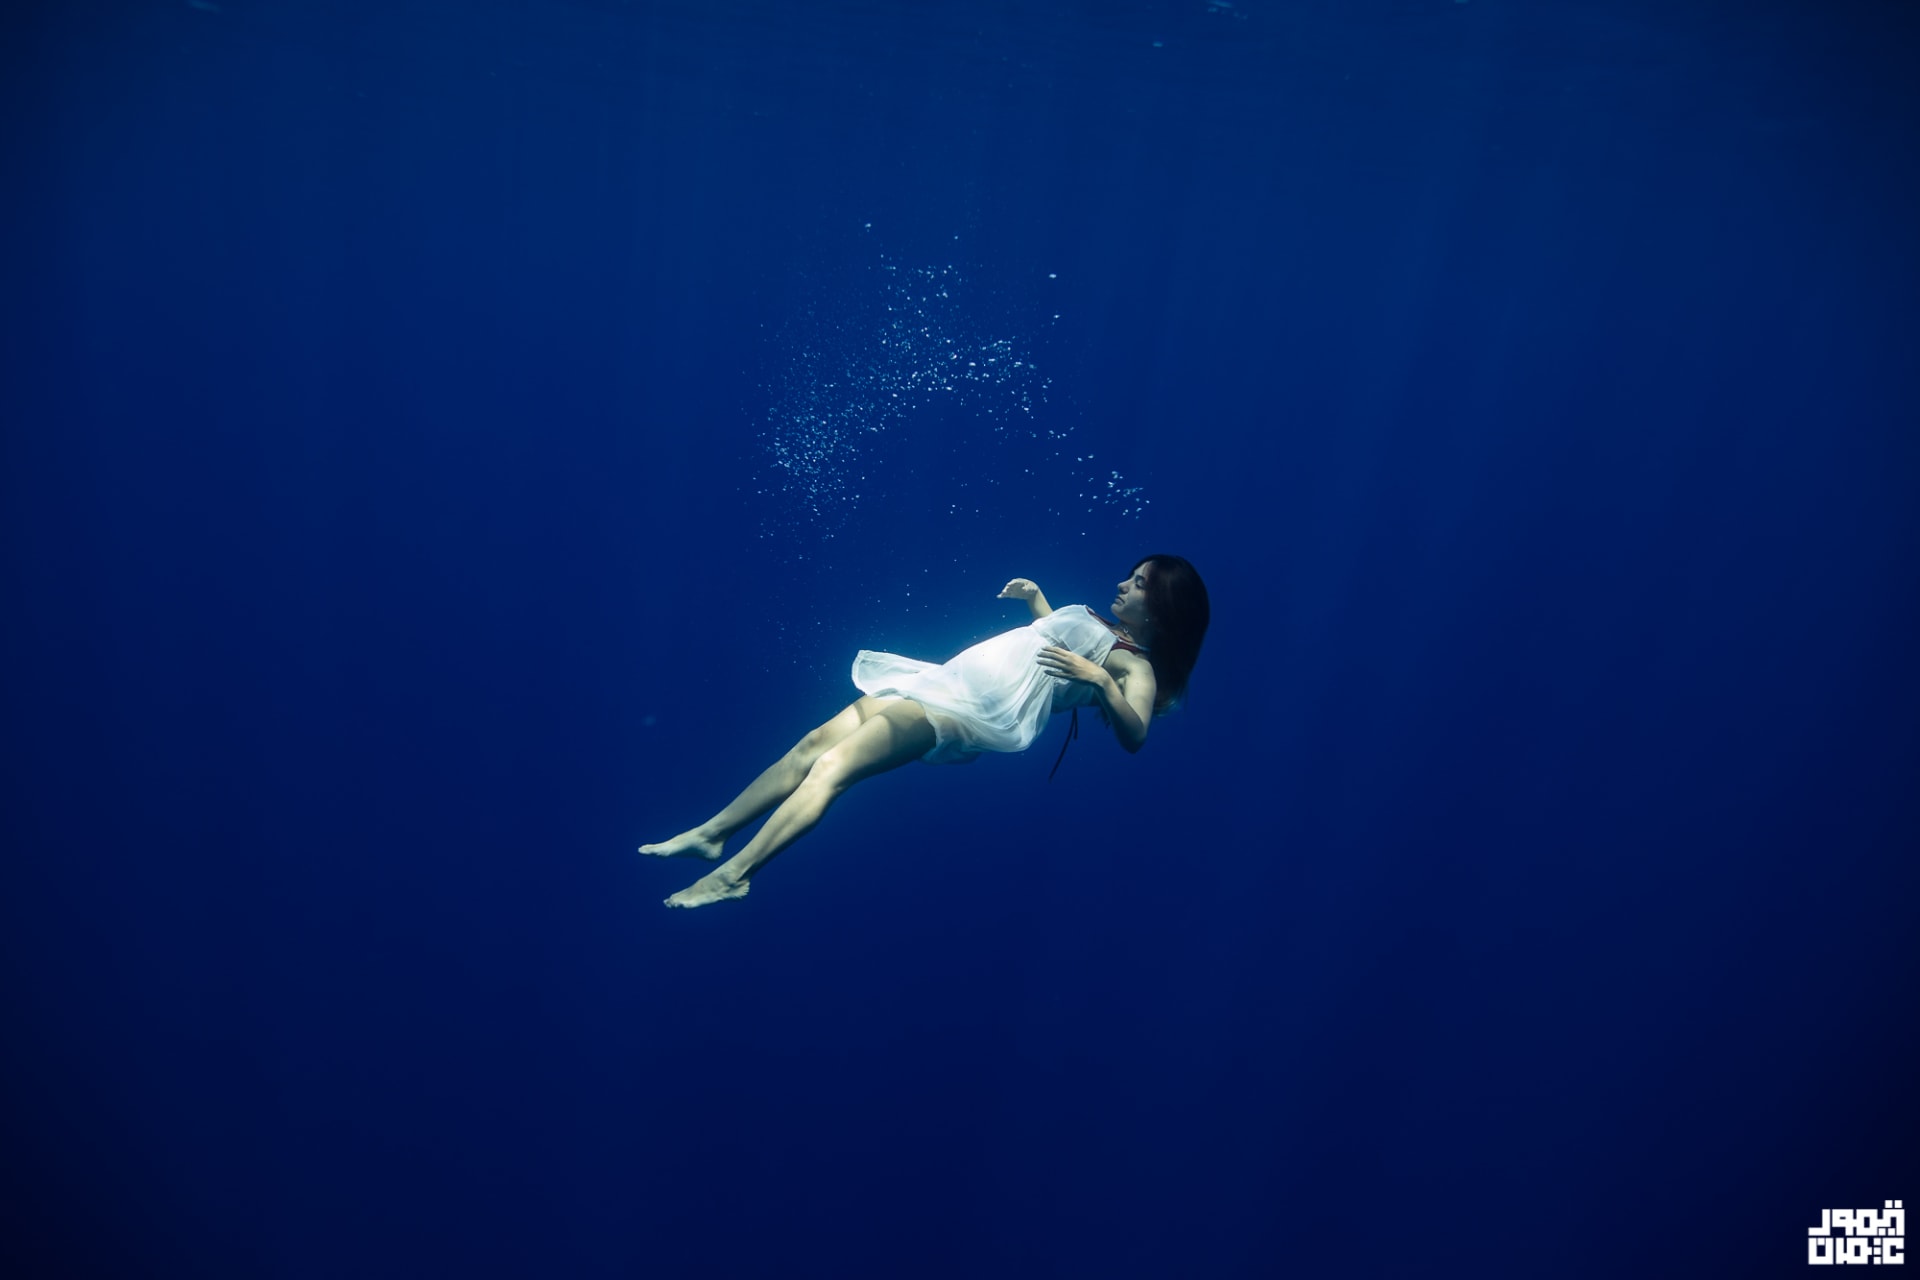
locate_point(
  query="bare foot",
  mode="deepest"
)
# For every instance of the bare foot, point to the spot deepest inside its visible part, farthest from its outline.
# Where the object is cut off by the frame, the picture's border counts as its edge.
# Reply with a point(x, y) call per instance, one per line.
point(715, 886)
point(688, 844)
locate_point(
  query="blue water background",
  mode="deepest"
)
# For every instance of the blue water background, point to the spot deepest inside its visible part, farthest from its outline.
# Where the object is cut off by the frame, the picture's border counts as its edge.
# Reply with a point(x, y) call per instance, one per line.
point(391, 545)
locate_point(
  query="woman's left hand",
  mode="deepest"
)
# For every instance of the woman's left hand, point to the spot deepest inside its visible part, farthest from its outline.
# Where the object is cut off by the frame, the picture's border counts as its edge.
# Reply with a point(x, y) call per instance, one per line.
point(1069, 665)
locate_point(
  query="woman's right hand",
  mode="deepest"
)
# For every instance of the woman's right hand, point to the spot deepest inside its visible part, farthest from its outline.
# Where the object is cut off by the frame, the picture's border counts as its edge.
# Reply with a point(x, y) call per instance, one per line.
point(1019, 589)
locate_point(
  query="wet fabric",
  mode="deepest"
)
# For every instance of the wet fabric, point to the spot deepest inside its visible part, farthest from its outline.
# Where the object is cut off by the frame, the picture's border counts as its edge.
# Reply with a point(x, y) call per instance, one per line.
point(994, 696)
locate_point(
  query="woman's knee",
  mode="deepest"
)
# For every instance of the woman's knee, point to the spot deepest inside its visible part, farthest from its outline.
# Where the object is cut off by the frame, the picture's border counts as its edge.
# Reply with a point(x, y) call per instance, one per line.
point(836, 768)
point(822, 739)
point(821, 786)
point(886, 741)
point(826, 772)
point(815, 743)
point(808, 749)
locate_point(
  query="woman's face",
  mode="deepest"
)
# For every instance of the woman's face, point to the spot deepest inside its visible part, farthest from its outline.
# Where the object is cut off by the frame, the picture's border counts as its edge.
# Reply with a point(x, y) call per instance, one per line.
point(1130, 606)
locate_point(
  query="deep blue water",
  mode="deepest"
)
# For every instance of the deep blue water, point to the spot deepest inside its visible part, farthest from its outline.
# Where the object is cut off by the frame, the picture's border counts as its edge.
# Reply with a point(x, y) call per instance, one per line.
point(395, 538)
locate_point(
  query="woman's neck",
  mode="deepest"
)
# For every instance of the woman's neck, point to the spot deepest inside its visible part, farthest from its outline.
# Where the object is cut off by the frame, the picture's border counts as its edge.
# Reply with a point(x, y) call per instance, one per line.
point(1142, 639)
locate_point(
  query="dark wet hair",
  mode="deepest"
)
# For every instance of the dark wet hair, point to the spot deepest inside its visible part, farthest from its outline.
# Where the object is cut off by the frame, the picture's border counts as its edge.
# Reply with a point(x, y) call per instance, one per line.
point(1178, 609)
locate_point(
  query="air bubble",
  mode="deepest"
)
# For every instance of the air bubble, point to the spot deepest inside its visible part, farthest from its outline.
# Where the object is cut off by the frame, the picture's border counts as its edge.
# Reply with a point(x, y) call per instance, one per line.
point(914, 343)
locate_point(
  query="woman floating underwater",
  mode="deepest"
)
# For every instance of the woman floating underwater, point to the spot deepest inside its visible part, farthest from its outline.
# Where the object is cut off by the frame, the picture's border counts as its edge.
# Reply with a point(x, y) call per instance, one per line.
point(995, 696)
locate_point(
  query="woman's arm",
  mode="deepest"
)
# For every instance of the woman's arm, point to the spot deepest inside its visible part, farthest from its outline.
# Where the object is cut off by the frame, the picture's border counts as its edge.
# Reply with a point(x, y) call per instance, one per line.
point(1026, 589)
point(1127, 700)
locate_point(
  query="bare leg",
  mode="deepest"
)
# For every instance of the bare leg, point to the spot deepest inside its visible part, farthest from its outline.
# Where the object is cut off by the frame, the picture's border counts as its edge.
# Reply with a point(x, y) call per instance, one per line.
point(775, 783)
point(898, 732)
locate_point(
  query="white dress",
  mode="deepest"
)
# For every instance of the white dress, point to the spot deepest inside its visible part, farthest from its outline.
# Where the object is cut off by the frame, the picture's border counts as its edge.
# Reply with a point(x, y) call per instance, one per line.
point(994, 696)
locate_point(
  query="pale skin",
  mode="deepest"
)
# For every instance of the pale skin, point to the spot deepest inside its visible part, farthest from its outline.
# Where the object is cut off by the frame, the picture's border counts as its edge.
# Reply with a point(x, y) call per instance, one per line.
point(874, 735)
